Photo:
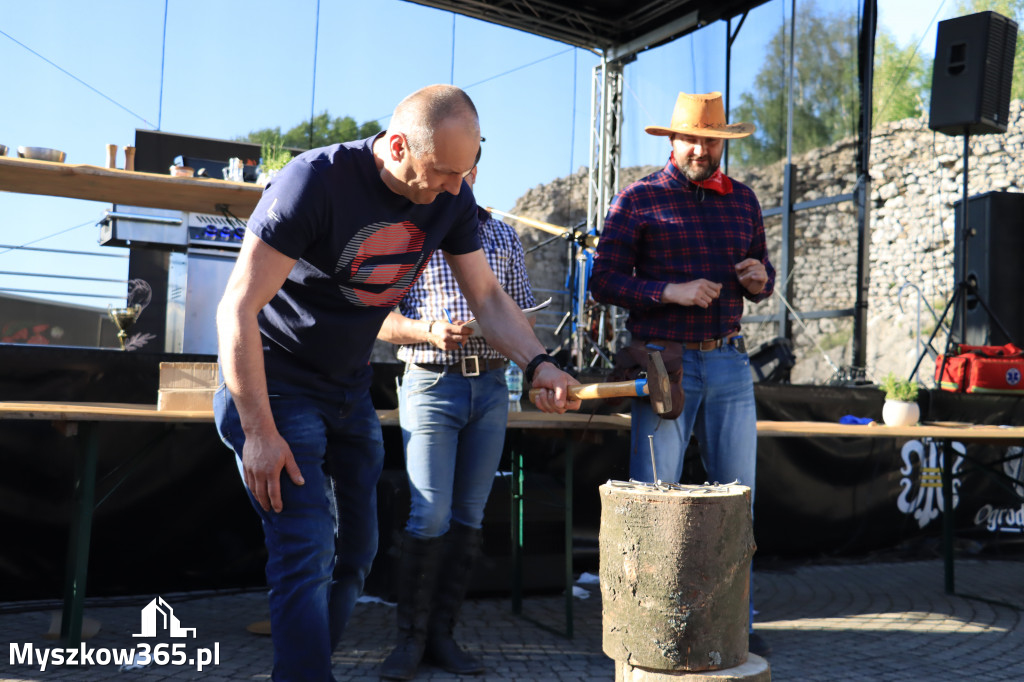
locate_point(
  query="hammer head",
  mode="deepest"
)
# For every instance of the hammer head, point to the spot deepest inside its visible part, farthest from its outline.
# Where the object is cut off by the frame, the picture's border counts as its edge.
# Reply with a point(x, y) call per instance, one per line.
point(658, 384)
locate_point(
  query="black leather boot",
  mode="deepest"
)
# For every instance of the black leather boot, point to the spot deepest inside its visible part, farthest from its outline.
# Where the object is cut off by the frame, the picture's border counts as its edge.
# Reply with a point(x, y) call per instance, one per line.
point(417, 576)
point(462, 547)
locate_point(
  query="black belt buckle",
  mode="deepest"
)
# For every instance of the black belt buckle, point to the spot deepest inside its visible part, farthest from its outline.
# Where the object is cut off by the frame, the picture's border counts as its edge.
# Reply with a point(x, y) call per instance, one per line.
point(738, 343)
point(475, 372)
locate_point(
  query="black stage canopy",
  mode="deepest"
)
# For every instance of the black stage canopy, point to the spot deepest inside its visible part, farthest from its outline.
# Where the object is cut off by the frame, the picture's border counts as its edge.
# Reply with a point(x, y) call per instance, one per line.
point(600, 24)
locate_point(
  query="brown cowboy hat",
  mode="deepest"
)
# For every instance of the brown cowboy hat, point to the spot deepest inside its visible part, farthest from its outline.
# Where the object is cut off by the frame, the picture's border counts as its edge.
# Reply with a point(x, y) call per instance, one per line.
point(702, 115)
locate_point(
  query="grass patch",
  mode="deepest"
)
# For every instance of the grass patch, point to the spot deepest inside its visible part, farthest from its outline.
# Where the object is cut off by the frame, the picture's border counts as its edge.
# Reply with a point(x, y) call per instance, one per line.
point(836, 339)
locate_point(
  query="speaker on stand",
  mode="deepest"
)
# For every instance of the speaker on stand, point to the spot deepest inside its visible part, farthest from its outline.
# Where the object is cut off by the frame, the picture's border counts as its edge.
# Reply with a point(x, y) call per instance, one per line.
point(972, 74)
point(971, 79)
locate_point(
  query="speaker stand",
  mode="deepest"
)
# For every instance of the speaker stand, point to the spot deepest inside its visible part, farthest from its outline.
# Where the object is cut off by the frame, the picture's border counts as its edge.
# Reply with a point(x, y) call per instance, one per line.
point(964, 287)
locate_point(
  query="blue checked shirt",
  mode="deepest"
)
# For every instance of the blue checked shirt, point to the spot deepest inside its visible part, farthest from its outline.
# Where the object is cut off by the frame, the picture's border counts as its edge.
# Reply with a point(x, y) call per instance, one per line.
point(664, 229)
point(437, 290)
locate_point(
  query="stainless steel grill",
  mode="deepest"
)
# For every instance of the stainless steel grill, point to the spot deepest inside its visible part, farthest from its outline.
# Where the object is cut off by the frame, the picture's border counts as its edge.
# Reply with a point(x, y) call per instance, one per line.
point(140, 227)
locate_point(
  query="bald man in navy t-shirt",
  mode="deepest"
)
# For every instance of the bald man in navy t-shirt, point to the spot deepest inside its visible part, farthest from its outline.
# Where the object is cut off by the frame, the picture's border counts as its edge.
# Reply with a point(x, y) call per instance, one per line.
point(336, 240)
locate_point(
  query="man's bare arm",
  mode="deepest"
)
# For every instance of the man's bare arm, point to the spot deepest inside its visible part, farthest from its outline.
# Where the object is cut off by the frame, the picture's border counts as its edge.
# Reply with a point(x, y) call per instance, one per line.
point(401, 330)
point(257, 276)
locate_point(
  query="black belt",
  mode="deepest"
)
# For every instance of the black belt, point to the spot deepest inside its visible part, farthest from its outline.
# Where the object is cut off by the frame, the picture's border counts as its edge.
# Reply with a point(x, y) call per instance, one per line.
point(712, 344)
point(471, 366)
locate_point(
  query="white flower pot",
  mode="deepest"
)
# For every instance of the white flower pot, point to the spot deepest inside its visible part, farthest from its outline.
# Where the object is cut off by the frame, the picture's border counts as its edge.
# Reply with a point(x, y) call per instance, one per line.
point(899, 413)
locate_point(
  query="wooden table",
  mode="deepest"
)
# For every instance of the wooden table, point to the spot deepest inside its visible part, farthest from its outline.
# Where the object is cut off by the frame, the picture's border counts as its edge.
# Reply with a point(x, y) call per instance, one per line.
point(765, 429)
point(533, 420)
point(809, 429)
point(80, 420)
point(944, 433)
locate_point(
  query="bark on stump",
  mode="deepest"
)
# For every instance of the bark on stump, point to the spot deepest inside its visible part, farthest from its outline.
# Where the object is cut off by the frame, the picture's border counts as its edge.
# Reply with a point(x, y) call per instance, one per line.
point(675, 575)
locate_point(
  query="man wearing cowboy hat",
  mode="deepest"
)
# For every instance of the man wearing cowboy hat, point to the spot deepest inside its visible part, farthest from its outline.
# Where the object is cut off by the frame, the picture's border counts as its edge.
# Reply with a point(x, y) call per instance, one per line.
point(681, 249)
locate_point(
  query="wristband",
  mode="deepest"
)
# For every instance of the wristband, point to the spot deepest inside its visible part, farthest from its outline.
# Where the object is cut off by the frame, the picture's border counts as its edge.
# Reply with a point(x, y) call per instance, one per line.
point(535, 363)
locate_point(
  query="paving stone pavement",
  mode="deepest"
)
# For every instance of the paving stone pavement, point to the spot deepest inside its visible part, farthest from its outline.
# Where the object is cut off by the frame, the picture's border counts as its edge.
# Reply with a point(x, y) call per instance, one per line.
point(868, 622)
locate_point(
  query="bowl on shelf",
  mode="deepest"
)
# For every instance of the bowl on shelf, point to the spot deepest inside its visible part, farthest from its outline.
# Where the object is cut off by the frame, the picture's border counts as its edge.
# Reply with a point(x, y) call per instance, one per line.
point(41, 154)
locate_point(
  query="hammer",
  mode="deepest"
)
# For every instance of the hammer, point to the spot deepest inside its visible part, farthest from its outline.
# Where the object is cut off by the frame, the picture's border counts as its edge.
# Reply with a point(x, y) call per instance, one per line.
point(656, 385)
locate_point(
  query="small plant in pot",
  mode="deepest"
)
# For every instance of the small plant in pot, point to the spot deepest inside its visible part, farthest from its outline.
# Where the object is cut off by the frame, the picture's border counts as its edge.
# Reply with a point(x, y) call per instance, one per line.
point(274, 157)
point(900, 408)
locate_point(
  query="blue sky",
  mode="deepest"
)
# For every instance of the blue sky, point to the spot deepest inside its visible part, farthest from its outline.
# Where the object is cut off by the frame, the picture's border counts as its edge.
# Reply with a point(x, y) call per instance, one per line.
point(80, 75)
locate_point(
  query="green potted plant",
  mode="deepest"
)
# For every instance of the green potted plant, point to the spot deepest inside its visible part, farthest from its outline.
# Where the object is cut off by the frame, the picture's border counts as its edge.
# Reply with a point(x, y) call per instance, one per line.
point(273, 157)
point(900, 408)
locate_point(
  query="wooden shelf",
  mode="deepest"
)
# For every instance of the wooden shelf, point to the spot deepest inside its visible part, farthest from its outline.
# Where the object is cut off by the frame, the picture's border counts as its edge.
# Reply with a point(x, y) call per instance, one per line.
point(129, 188)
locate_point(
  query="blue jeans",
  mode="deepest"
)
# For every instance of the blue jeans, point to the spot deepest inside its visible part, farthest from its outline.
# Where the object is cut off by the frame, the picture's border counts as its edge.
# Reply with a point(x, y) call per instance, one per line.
point(719, 408)
point(454, 432)
point(321, 545)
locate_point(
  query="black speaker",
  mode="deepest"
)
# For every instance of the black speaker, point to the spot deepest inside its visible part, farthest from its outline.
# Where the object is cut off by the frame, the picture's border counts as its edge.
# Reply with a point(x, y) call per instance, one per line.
point(772, 361)
point(972, 73)
point(995, 250)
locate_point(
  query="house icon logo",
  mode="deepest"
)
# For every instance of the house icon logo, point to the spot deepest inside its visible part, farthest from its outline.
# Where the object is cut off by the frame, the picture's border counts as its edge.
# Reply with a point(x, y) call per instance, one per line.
point(157, 616)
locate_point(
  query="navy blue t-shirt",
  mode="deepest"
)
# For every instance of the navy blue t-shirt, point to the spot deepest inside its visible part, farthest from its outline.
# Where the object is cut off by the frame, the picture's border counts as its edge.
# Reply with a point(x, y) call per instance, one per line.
point(359, 247)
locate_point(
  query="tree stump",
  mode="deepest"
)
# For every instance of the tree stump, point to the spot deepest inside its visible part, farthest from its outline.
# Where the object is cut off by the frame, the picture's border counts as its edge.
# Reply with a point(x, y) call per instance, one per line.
point(675, 575)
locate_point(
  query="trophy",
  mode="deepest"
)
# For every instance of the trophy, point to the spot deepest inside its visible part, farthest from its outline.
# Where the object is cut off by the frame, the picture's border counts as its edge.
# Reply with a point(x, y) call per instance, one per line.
point(123, 319)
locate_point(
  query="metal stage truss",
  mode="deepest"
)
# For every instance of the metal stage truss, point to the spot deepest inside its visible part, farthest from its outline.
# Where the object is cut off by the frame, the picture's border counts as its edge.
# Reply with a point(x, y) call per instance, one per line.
point(619, 30)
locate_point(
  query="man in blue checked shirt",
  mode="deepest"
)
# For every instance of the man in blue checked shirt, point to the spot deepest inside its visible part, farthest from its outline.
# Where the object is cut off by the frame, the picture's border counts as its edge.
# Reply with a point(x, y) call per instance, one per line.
point(681, 249)
point(453, 406)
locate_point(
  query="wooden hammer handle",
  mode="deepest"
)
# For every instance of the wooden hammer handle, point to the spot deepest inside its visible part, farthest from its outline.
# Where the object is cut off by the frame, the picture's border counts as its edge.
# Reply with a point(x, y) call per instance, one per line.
point(616, 389)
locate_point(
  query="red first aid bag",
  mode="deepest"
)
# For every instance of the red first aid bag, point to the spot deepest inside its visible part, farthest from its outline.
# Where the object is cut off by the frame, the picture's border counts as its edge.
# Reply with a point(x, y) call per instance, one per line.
point(982, 369)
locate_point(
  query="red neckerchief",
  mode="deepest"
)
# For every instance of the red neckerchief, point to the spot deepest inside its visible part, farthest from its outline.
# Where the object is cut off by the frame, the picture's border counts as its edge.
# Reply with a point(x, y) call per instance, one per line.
point(719, 183)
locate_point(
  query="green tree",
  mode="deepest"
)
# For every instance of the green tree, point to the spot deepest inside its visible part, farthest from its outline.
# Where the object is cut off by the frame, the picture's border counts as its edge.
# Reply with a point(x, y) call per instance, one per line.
point(325, 131)
point(825, 90)
point(1012, 9)
point(902, 80)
